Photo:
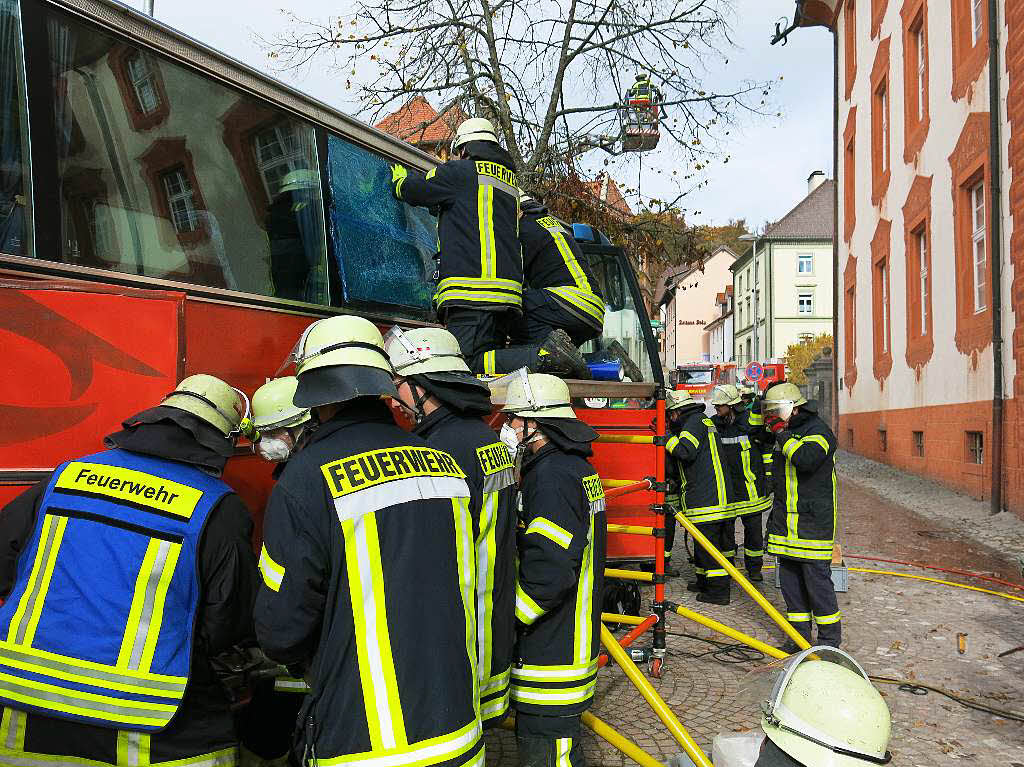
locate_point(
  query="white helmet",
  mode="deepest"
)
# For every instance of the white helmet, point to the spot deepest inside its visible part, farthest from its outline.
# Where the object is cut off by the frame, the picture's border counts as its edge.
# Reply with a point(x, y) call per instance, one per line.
point(212, 400)
point(424, 350)
point(781, 398)
point(474, 129)
point(537, 395)
point(678, 398)
point(273, 406)
point(824, 711)
point(725, 394)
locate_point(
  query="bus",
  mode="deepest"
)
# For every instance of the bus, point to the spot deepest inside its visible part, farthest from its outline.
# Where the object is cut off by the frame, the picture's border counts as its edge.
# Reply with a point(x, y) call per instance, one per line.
point(166, 210)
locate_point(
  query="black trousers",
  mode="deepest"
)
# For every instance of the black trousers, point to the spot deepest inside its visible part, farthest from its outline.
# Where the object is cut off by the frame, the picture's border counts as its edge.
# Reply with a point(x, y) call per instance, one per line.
point(711, 576)
point(753, 541)
point(478, 331)
point(809, 593)
point(542, 313)
point(549, 741)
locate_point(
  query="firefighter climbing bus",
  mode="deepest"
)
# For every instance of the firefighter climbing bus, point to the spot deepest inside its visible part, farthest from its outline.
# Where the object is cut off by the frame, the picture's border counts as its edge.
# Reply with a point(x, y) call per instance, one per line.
point(165, 210)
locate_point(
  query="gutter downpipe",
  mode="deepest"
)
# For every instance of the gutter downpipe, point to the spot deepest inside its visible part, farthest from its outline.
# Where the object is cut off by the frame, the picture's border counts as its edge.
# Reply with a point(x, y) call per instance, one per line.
point(995, 163)
point(835, 230)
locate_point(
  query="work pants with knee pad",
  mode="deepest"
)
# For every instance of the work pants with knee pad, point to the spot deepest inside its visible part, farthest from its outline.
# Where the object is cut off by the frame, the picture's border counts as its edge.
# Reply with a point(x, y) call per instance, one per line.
point(711, 576)
point(549, 741)
point(809, 594)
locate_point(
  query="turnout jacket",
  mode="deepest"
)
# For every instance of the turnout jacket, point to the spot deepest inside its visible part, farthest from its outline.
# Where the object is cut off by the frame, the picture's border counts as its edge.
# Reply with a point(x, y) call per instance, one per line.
point(802, 524)
point(201, 732)
point(561, 582)
point(368, 583)
point(553, 261)
point(703, 469)
point(748, 487)
point(481, 266)
point(490, 475)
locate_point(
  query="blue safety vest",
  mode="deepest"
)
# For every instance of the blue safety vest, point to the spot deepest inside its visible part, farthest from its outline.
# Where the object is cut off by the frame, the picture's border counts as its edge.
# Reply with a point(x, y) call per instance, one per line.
point(99, 626)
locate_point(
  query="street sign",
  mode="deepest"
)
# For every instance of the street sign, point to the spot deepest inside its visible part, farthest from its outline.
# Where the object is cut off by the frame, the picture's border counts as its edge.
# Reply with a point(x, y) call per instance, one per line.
point(754, 371)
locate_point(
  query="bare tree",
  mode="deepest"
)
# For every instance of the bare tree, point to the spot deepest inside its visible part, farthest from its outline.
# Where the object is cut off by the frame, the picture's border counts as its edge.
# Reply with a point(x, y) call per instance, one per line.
point(550, 73)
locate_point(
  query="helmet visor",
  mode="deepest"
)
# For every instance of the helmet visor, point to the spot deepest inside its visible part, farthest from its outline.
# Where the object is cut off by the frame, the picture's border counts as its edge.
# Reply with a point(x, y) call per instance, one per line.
point(778, 408)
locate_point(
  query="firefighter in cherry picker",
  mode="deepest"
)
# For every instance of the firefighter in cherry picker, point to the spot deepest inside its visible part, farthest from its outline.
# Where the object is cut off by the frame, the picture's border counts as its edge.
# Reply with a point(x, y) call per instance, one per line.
point(561, 570)
point(124, 573)
point(562, 308)
point(697, 448)
point(801, 528)
point(368, 570)
point(447, 405)
point(749, 494)
point(645, 98)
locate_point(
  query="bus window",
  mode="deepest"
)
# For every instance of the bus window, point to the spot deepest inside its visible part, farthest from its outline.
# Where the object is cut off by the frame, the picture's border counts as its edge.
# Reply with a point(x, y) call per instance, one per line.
point(165, 173)
point(15, 195)
point(384, 248)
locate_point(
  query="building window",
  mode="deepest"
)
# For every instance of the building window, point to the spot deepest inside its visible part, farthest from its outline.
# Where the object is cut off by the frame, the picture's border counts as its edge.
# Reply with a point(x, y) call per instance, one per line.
point(850, 321)
point(278, 153)
point(143, 79)
point(915, 77)
point(922, 72)
point(805, 303)
point(970, 48)
point(978, 246)
point(180, 200)
point(747, 311)
point(881, 137)
point(849, 438)
point(918, 443)
point(977, 21)
point(851, 313)
point(883, 440)
point(882, 276)
point(805, 263)
point(921, 238)
point(975, 447)
point(850, 44)
point(850, 175)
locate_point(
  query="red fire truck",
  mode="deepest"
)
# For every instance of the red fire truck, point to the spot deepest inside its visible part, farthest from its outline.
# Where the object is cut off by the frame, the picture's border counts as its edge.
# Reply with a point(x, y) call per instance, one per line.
point(699, 378)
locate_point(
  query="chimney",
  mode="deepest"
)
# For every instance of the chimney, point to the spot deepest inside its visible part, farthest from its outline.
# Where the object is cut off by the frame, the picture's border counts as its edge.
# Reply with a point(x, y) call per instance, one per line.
point(816, 179)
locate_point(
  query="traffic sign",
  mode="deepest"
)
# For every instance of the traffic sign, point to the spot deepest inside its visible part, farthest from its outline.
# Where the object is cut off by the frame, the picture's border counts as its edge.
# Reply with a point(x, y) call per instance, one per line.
point(754, 371)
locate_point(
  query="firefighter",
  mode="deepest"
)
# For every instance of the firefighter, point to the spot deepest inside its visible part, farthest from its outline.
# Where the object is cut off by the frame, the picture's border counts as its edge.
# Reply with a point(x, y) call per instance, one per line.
point(802, 524)
point(136, 568)
point(673, 477)
point(645, 95)
point(697, 448)
point(267, 724)
point(480, 270)
point(562, 308)
point(447, 405)
point(561, 571)
point(367, 564)
point(748, 491)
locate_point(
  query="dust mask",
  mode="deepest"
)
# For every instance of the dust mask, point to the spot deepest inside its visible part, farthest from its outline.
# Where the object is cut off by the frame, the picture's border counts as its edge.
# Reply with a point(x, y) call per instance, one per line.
point(275, 449)
point(510, 439)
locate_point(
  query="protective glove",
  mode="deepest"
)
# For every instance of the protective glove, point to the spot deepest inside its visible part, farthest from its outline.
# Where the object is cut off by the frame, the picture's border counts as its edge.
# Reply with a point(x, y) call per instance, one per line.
point(774, 424)
point(398, 173)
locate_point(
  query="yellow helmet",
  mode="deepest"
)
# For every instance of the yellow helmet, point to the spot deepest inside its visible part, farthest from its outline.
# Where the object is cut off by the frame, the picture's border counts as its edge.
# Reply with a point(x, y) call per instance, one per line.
point(678, 398)
point(425, 350)
point(341, 358)
point(273, 406)
point(538, 395)
point(212, 400)
point(781, 398)
point(474, 129)
point(725, 394)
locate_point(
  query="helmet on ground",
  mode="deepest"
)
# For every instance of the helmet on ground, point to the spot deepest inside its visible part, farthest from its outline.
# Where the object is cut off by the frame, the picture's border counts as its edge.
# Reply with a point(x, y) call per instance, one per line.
point(474, 129)
point(273, 406)
point(679, 398)
point(338, 359)
point(538, 395)
point(852, 730)
point(212, 400)
point(424, 351)
point(725, 394)
point(299, 179)
point(780, 399)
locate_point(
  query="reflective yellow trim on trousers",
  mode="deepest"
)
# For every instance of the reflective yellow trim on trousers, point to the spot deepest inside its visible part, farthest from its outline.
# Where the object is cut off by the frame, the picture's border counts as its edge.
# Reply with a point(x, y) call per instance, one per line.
point(553, 696)
point(425, 752)
point(703, 514)
point(272, 572)
point(716, 573)
point(466, 558)
point(563, 746)
point(17, 757)
point(26, 617)
point(550, 530)
point(384, 717)
point(826, 620)
point(583, 623)
point(573, 672)
point(798, 617)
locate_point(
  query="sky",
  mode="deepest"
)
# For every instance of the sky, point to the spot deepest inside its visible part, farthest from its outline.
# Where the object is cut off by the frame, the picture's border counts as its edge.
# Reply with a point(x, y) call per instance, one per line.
point(770, 157)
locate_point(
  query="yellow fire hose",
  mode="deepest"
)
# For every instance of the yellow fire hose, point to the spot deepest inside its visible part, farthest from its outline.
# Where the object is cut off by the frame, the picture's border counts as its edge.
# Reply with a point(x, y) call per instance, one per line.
point(631, 620)
point(603, 730)
point(728, 631)
point(618, 482)
point(670, 720)
point(628, 575)
point(631, 529)
point(628, 439)
point(746, 585)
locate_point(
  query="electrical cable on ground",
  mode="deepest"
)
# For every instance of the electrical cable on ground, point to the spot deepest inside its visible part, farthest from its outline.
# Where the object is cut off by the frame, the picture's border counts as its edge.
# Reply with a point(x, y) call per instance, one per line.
point(729, 654)
point(951, 570)
point(914, 687)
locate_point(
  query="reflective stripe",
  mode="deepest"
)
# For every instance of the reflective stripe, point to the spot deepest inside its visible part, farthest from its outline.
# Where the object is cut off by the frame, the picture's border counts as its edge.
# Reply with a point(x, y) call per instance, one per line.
point(527, 611)
point(825, 620)
point(290, 684)
point(490, 363)
point(19, 758)
point(373, 643)
point(31, 602)
point(575, 672)
point(716, 462)
point(557, 696)
point(497, 183)
point(671, 443)
point(495, 683)
point(792, 493)
point(85, 704)
point(273, 573)
point(466, 558)
point(550, 530)
point(752, 553)
point(686, 435)
point(495, 707)
point(486, 552)
point(95, 674)
point(398, 187)
point(755, 506)
point(132, 749)
point(750, 479)
point(562, 748)
point(716, 573)
point(430, 174)
point(755, 419)
point(147, 609)
point(590, 307)
point(794, 443)
point(426, 752)
point(12, 728)
point(372, 499)
point(583, 629)
point(494, 483)
point(740, 440)
point(485, 219)
point(704, 514)
point(798, 617)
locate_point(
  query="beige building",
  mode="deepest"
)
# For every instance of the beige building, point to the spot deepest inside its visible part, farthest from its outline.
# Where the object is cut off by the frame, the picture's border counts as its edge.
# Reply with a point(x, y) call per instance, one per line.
point(791, 291)
point(687, 303)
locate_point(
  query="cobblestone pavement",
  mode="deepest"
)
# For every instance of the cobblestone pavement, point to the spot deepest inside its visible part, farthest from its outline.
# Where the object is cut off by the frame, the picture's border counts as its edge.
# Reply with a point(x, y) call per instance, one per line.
point(896, 627)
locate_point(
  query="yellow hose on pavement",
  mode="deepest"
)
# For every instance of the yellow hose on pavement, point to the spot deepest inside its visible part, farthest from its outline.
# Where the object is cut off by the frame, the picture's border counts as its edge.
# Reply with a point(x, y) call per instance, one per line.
point(730, 632)
point(746, 585)
point(657, 704)
point(936, 580)
point(621, 742)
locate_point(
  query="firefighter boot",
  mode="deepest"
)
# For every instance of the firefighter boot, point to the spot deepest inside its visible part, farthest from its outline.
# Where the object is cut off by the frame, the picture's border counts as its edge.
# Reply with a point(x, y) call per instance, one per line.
point(559, 356)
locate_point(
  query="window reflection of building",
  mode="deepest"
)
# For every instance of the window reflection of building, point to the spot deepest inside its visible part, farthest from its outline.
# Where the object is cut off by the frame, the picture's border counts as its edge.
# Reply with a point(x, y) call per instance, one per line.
point(143, 80)
point(175, 192)
point(180, 200)
point(277, 154)
point(141, 85)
